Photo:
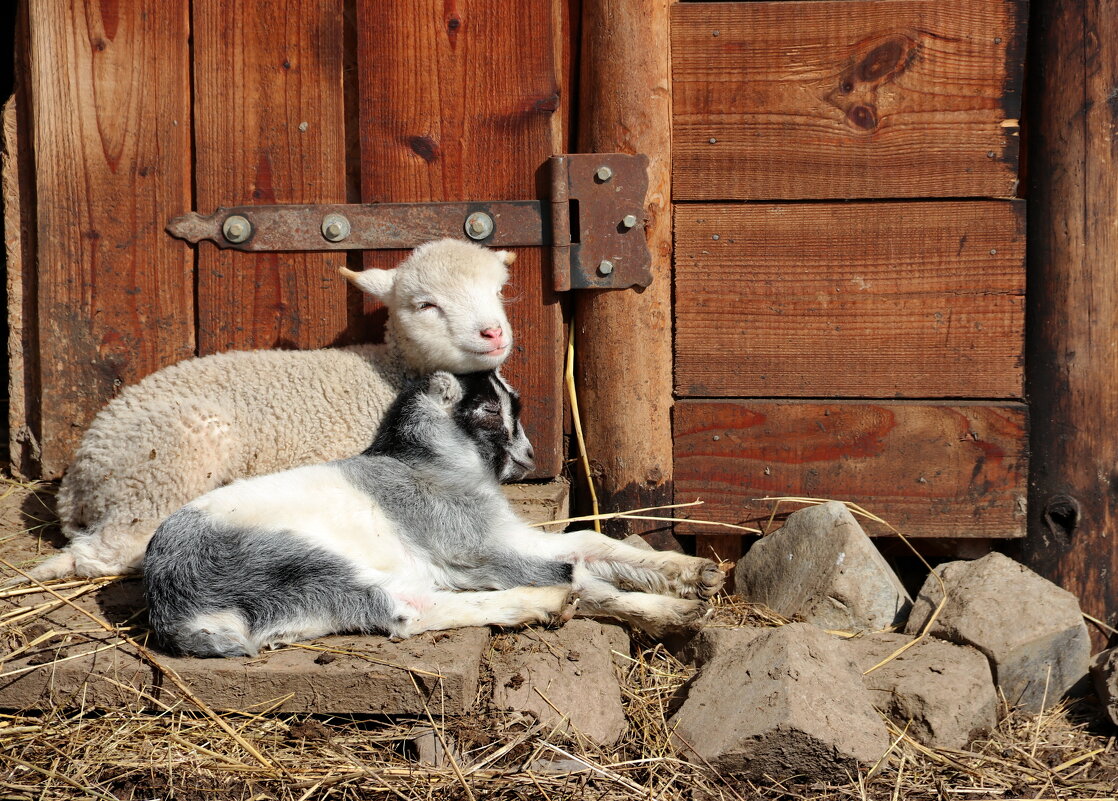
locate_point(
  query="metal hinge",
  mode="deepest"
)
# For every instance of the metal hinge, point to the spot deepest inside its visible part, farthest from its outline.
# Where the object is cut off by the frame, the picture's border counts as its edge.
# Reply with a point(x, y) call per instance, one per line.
point(593, 222)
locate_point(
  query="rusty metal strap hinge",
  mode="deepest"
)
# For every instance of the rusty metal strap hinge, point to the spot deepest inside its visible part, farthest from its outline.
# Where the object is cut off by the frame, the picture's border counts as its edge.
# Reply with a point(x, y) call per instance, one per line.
point(593, 223)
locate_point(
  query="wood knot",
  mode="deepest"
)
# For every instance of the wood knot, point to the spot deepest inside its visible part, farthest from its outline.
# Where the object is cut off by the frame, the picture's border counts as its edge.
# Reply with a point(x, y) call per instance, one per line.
point(886, 59)
point(425, 147)
point(864, 117)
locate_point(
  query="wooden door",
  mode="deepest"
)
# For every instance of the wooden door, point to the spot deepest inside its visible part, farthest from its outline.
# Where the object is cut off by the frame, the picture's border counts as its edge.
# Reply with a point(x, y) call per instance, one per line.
point(849, 262)
point(140, 110)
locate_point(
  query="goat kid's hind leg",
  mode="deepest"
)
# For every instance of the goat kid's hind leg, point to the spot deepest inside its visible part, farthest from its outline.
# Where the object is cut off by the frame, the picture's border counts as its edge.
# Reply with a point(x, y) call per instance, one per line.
point(652, 613)
point(516, 607)
point(663, 572)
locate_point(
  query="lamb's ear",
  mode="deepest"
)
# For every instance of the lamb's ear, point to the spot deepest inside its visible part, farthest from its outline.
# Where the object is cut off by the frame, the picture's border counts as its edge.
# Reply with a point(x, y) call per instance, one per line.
point(375, 282)
point(444, 389)
point(507, 257)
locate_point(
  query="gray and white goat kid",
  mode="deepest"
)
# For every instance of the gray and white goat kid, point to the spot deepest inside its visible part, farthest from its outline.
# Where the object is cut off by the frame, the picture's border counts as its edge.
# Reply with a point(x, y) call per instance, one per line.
point(411, 535)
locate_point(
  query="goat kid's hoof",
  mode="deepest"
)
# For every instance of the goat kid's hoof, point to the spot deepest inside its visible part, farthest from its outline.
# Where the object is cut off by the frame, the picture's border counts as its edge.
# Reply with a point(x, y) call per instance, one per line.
point(703, 581)
point(683, 614)
point(564, 615)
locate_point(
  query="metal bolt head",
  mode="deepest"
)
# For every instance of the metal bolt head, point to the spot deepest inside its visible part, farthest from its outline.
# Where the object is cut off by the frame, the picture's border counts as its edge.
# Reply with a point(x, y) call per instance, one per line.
point(604, 173)
point(629, 220)
point(479, 225)
point(335, 227)
point(236, 229)
point(605, 267)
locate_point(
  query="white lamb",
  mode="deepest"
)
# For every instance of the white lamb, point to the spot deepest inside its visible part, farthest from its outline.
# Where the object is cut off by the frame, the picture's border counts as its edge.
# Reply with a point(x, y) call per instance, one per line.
point(202, 423)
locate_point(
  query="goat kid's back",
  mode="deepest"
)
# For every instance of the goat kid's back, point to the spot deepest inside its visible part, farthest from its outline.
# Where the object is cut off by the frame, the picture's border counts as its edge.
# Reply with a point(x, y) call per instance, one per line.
point(375, 543)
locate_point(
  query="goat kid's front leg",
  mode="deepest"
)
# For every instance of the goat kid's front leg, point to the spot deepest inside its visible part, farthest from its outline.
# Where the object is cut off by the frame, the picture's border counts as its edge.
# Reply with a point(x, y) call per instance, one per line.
point(662, 572)
point(655, 614)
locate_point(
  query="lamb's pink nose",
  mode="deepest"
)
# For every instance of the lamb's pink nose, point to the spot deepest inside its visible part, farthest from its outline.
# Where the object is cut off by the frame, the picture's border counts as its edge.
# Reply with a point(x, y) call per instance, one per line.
point(495, 334)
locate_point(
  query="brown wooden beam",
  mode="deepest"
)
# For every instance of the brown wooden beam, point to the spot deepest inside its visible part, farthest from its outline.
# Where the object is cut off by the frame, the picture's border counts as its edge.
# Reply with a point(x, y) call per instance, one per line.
point(623, 338)
point(1072, 316)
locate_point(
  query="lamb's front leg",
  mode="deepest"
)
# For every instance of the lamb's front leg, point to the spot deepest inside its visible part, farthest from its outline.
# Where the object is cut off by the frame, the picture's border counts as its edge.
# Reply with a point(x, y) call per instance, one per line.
point(664, 572)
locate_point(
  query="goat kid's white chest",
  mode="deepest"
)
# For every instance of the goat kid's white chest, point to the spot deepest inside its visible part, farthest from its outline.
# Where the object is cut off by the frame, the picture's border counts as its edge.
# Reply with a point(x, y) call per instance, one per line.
point(317, 505)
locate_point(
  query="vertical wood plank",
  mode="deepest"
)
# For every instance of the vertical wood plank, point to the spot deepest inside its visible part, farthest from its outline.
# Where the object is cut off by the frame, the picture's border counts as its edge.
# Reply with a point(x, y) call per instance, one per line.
point(270, 129)
point(461, 101)
point(625, 105)
point(110, 87)
point(17, 165)
point(1072, 361)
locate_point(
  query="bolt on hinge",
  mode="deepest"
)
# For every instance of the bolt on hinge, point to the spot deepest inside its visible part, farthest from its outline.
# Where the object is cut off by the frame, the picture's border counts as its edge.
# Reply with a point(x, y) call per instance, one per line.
point(591, 222)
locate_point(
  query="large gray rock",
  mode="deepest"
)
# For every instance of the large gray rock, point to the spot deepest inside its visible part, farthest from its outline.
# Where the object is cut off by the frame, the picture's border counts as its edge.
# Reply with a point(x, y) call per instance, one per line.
point(565, 677)
point(1104, 672)
point(1031, 630)
point(942, 694)
point(787, 702)
point(711, 641)
point(821, 566)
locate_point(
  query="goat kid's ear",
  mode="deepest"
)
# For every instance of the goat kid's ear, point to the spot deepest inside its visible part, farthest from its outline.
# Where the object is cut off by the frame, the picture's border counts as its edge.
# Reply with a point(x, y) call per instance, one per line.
point(375, 282)
point(444, 389)
point(507, 257)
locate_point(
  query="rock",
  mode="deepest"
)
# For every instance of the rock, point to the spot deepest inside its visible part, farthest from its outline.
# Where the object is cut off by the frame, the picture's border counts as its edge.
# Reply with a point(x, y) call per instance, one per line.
point(711, 641)
point(429, 748)
point(1031, 630)
point(821, 567)
point(1104, 671)
point(943, 693)
point(787, 702)
point(565, 677)
point(637, 541)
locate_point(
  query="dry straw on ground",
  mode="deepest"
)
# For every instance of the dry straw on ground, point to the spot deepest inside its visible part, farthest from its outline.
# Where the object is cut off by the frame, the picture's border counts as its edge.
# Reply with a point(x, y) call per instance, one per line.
point(180, 750)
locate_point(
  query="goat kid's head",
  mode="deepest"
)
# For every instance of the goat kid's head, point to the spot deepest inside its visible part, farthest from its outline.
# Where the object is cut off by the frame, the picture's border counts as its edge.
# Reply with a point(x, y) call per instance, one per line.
point(444, 305)
point(444, 418)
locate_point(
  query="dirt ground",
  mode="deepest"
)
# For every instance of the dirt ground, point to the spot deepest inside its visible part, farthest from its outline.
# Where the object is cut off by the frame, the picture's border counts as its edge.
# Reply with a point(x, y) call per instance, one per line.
point(184, 750)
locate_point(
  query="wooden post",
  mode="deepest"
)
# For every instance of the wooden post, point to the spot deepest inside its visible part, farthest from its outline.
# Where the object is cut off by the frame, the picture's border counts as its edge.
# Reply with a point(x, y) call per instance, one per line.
point(1072, 353)
point(623, 338)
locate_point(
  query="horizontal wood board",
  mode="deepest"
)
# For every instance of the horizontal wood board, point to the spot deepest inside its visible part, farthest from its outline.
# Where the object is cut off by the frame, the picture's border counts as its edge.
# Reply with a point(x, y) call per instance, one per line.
point(846, 99)
point(931, 470)
point(110, 93)
point(854, 300)
point(464, 102)
point(270, 129)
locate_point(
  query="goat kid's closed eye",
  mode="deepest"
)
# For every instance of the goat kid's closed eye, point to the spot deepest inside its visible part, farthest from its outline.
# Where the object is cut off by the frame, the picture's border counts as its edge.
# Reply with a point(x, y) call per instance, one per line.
point(423, 305)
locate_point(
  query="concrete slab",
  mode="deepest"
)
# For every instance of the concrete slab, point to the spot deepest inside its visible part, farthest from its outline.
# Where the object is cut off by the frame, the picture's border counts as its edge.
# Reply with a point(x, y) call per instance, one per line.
point(333, 675)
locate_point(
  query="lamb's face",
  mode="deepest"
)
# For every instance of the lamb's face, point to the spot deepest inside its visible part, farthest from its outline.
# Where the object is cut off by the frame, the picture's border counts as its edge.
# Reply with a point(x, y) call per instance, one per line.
point(446, 307)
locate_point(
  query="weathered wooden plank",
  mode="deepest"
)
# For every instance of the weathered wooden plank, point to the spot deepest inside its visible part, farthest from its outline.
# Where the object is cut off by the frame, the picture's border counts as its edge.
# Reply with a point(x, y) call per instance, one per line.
point(110, 87)
point(1072, 357)
point(846, 98)
point(270, 129)
point(17, 166)
point(915, 300)
point(461, 102)
point(952, 469)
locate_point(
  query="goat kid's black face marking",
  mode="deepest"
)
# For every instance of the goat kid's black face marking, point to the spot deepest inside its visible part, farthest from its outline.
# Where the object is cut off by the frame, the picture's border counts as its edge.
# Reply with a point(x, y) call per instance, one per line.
point(489, 413)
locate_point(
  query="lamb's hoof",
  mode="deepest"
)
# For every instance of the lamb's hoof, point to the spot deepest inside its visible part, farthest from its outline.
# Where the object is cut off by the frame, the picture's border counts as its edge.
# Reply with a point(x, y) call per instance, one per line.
point(702, 581)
